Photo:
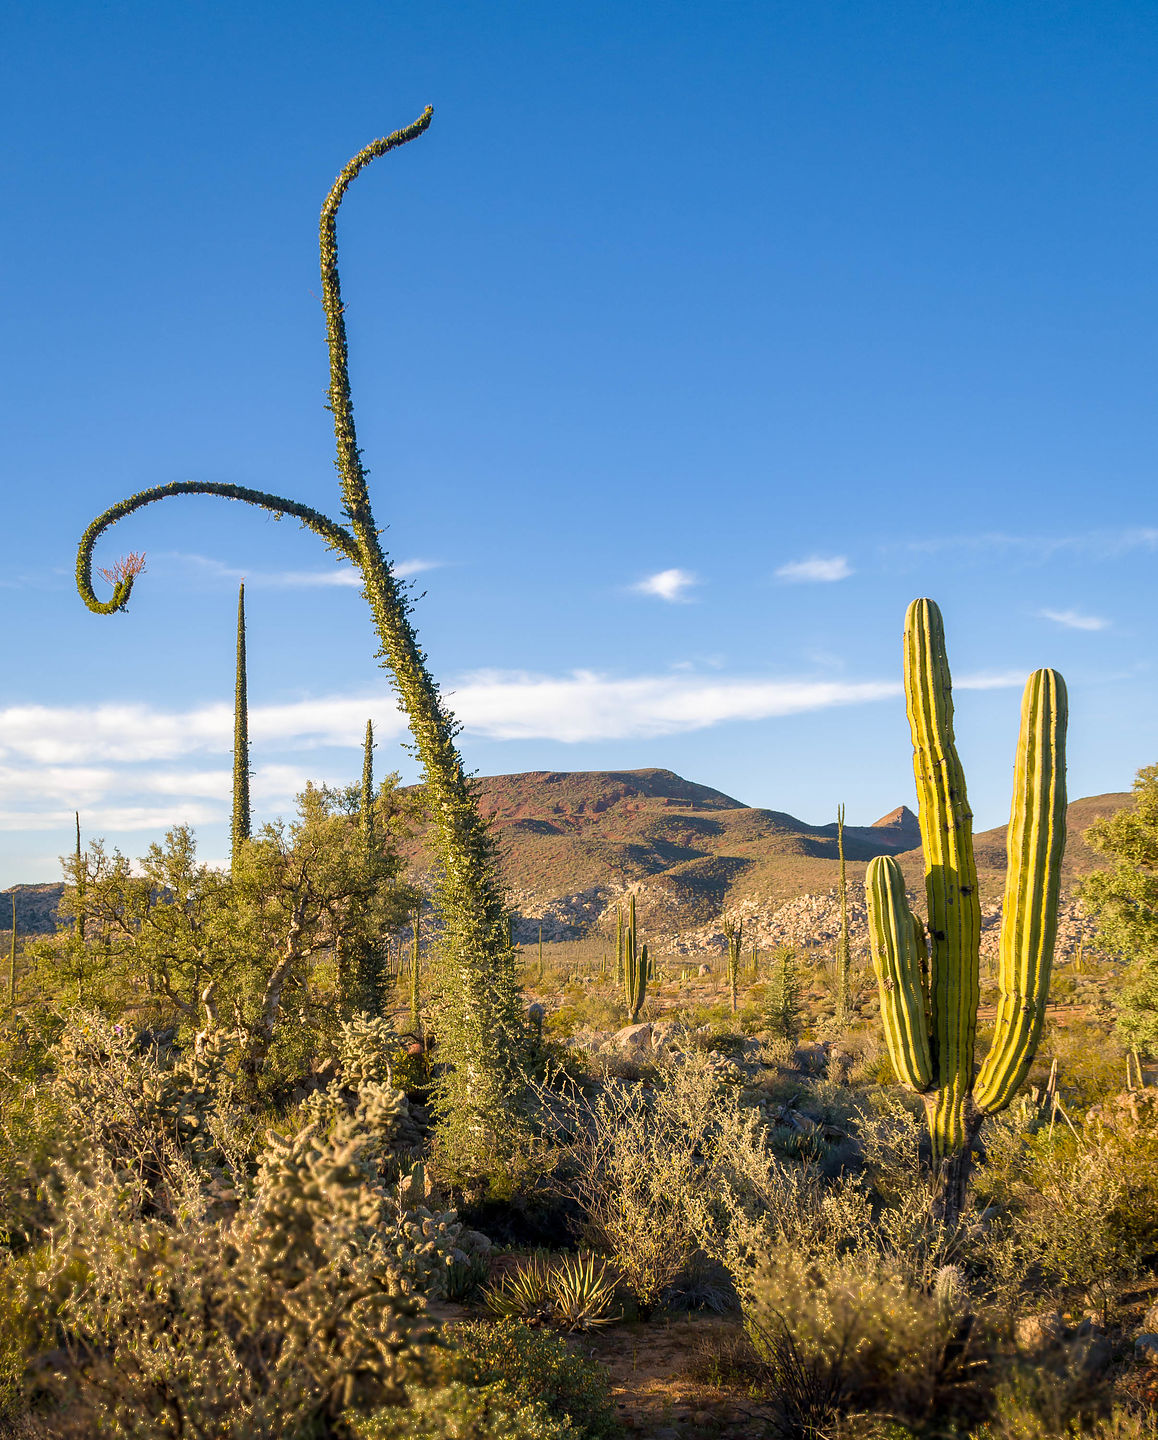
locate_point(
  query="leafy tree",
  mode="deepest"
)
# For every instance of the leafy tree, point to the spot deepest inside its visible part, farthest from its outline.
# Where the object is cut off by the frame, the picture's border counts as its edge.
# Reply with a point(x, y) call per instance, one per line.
point(309, 888)
point(1125, 901)
point(154, 926)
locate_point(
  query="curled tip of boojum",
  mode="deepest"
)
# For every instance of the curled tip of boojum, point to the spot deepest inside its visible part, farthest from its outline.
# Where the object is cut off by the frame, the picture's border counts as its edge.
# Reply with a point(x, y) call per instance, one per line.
point(120, 575)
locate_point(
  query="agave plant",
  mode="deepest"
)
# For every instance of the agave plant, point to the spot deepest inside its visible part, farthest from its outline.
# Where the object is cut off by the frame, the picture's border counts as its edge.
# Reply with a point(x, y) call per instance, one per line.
point(582, 1289)
point(574, 1293)
point(525, 1293)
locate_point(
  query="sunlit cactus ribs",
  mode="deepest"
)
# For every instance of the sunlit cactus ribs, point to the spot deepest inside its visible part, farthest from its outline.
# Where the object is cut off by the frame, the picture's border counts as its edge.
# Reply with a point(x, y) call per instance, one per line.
point(483, 1032)
point(929, 990)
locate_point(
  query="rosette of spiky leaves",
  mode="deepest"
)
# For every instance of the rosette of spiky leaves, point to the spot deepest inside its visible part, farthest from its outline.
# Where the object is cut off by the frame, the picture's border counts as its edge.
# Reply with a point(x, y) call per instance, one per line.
point(482, 1033)
point(525, 1293)
point(582, 1289)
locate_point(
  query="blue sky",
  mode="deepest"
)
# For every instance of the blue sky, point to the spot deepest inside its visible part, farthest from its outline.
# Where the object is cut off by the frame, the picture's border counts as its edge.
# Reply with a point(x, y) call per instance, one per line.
point(803, 309)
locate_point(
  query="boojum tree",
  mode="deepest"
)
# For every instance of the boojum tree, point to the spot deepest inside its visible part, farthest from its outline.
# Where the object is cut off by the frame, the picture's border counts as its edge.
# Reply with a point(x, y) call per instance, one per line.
point(241, 826)
point(929, 989)
point(482, 1029)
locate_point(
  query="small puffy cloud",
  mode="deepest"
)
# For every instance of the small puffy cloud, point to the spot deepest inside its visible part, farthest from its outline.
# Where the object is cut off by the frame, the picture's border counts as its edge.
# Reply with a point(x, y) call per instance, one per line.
point(1074, 619)
point(667, 584)
point(816, 569)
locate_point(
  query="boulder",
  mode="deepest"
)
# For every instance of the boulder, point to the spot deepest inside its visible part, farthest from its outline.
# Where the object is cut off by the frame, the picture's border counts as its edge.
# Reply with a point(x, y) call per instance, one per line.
point(1034, 1332)
point(633, 1037)
point(1146, 1348)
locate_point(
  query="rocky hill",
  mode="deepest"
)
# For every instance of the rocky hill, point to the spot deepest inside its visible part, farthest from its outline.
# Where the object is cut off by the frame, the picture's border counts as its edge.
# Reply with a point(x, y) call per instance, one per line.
point(573, 844)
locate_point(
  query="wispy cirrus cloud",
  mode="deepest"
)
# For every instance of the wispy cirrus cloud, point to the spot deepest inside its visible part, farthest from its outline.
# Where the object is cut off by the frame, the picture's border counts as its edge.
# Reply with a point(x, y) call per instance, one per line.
point(1107, 544)
point(817, 569)
point(1074, 619)
point(340, 575)
point(671, 585)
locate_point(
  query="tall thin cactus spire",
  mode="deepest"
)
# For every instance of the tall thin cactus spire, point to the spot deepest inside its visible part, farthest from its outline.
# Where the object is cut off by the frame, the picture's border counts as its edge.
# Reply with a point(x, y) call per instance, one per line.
point(79, 878)
point(242, 823)
point(366, 809)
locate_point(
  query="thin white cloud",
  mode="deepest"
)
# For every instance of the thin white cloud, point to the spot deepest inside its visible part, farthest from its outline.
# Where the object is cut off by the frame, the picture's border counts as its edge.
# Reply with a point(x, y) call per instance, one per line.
point(817, 568)
point(1091, 544)
point(99, 819)
point(670, 585)
point(1074, 619)
point(585, 706)
point(341, 575)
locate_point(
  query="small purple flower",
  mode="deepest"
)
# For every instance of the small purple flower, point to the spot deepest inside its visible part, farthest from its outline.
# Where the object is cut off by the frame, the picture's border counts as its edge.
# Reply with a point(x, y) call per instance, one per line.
point(118, 1029)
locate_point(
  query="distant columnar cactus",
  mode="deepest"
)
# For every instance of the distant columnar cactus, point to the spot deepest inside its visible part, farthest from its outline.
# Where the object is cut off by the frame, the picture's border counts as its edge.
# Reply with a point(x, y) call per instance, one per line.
point(242, 823)
point(734, 935)
point(929, 994)
point(634, 967)
point(482, 1025)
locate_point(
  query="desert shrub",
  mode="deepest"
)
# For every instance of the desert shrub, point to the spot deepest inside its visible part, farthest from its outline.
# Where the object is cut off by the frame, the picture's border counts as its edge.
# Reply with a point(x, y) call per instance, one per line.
point(537, 1365)
point(634, 1173)
point(1048, 1398)
point(504, 1381)
point(852, 1332)
point(455, 1411)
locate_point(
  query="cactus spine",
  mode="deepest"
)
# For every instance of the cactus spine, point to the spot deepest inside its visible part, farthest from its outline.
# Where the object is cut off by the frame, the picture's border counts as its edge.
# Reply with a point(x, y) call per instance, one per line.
point(843, 948)
point(634, 967)
point(242, 824)
point(931, 1029)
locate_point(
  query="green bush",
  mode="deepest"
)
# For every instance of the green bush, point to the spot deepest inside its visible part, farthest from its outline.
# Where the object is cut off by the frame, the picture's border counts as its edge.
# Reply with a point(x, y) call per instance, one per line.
point(464, 1412)
point(537, 1365)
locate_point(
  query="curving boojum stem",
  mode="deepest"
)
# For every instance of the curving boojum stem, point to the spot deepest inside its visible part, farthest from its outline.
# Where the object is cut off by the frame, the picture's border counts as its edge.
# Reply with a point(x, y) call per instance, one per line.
point(482, 1032)
point(930, 1024)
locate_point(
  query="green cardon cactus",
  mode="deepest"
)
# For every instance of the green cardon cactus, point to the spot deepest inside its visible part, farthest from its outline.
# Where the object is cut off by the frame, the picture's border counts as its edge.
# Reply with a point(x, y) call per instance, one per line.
point(634, 967)
point(929, 988)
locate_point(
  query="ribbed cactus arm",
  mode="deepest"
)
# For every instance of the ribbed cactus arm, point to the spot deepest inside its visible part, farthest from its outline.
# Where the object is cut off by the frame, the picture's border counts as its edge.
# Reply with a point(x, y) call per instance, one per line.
point(1036, 843)
point(336, 536)
point(950, 872)
point(897, 961)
